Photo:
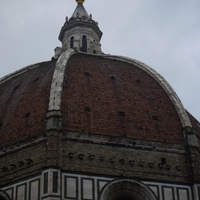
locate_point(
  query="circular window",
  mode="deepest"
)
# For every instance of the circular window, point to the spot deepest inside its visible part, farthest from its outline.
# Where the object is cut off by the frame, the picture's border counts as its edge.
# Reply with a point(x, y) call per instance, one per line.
point(126, 190)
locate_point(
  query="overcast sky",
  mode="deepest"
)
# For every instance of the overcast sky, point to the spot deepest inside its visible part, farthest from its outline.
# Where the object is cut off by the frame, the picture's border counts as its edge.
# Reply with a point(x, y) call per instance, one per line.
point(164, 34)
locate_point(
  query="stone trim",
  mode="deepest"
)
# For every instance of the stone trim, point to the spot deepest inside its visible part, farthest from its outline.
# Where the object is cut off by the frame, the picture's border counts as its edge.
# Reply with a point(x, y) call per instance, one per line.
point(21, 145)
point(18, 72)
point(124, 142)
point(53, 120)
point(57, 80)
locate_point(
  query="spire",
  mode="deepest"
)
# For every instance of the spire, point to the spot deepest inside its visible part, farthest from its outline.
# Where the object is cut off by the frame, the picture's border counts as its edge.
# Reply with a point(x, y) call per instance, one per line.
point(80, 10)
point(80, 32)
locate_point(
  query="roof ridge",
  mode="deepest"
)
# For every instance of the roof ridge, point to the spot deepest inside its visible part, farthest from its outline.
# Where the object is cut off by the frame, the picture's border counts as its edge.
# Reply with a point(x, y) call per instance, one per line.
point(20, 71)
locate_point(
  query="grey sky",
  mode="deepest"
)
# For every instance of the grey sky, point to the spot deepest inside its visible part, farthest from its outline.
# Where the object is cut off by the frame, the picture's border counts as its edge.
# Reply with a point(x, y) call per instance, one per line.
point(164, 34)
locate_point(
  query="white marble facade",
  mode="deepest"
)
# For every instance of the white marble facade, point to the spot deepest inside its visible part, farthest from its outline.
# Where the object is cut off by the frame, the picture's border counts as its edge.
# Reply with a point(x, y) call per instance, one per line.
point(53, 184)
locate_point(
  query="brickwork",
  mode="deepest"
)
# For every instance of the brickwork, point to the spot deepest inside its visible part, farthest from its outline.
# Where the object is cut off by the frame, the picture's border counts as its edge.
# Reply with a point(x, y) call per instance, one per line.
point(194, 152)
point(138, 162)
point(194, 163)
point(24, 103)
point(22, 163)
point(196, 126)
point(116, 98)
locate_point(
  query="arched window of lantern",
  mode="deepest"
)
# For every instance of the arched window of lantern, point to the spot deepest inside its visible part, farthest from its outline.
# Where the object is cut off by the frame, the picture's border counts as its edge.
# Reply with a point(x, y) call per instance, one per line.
point(84, 43)
point(72, 42)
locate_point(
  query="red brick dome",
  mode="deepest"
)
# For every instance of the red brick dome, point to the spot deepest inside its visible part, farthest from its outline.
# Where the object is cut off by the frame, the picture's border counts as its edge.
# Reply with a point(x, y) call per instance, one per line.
point(102, 95)
point(24, 97)
point(117, 98)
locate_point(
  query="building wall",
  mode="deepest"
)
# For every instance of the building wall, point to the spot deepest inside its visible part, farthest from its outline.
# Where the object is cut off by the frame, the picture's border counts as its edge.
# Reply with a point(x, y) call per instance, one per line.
point(57, 184)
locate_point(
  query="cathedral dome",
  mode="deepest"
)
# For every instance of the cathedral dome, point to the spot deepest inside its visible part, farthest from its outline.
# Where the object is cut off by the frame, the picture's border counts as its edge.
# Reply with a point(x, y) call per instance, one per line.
point(86, 124)
point(99, 94)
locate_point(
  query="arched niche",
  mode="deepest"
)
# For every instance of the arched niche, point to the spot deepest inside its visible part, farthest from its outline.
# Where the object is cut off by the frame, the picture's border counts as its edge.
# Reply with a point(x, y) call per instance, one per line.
point(125, 189)
point(4, 196)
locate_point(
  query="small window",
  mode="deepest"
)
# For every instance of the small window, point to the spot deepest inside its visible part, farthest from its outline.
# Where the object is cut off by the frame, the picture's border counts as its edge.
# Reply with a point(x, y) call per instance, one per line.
point(55, 182)
point(72, 42)
point(121, 113)
point(15, 88)
point(87, 109)
point(155, 117)
point(113, 77)
point(27, 115)
point(45, 187)
point(163, 161)
point(138, 81)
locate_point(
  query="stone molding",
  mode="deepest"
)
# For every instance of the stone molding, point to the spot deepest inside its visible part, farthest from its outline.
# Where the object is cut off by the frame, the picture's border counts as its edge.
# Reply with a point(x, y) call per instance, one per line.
point(57, 81)
point(18, 72)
